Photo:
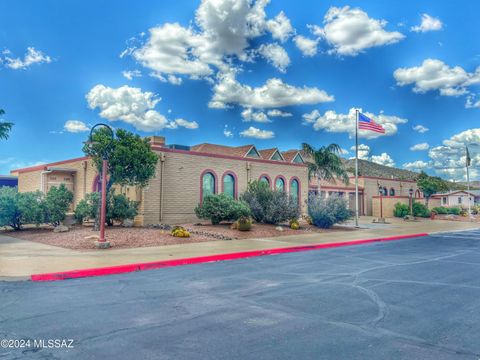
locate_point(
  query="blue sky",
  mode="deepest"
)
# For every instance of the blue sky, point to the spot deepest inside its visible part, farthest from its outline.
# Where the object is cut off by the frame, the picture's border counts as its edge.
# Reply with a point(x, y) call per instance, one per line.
point(275, 74)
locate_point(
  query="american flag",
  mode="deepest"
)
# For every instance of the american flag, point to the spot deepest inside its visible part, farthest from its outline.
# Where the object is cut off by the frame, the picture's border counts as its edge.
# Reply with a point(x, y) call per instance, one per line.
point(365, 123)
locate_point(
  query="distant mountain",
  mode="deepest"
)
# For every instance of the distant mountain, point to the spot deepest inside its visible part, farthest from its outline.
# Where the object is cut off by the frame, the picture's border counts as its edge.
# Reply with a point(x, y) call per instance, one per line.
point(368, 168)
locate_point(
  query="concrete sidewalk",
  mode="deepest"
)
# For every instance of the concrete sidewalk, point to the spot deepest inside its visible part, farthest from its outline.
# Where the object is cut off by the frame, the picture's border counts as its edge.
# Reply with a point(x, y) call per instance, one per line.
point(20, 258)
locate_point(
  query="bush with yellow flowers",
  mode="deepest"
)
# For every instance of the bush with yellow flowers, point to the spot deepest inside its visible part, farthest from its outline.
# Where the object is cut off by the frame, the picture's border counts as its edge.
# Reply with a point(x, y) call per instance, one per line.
point(180, 231)
point(294, 225)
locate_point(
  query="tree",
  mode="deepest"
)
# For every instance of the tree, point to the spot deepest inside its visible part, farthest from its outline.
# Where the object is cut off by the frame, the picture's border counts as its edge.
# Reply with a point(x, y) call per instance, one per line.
point(5, 127)
point(57, 203)
point(325, 163)
point(131, 161)
point(430, 185)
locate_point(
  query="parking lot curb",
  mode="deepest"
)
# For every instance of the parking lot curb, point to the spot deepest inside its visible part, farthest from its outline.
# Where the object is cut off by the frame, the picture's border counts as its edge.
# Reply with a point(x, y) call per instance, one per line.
point(120, 269)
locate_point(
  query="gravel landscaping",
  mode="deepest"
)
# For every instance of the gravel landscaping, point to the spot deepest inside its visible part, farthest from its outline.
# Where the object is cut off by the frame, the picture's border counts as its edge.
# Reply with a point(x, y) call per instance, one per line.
point(120, 237)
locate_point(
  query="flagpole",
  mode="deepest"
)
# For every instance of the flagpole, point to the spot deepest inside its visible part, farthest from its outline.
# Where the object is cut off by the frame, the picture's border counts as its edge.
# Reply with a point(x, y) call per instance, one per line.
point(356, 168)
point(467, 163)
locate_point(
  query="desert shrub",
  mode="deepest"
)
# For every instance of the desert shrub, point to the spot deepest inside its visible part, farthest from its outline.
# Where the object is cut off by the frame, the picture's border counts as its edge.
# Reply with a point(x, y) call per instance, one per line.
point(17, 209)
point(180, 231)
point(119, 208)
point(401, 210)
point(57, 203)
point(269, 206)
point(476, 210)
point(325, 212)
point(420, 210)
point(442, 210)
point(454, 210)
point(294, 224)
point(463, 212)
point(221, 207)
point(244, 223)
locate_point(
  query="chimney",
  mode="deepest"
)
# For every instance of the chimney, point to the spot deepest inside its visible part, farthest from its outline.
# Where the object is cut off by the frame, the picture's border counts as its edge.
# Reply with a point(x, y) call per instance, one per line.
point(156, 140)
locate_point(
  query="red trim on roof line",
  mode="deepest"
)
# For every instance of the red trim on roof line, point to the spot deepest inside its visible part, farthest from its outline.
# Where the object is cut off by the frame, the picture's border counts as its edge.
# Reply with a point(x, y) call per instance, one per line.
point(45, 166)
point(381, 178)
point(218, 156)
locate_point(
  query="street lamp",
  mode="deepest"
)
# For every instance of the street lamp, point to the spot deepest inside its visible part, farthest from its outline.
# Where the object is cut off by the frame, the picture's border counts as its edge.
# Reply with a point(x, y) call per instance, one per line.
point(381, 219)
point(410, 192)
point(102, 243)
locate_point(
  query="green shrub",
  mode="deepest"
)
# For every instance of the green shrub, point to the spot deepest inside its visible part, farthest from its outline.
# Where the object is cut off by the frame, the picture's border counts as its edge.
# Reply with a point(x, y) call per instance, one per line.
point(57, 203)
point(17, 209)
point(401, 210)
point(221, 207)
point(454, 210)
point(325, 212)
point(269, 206)
point(442, 210)
point(420, 210)
point(119, 208)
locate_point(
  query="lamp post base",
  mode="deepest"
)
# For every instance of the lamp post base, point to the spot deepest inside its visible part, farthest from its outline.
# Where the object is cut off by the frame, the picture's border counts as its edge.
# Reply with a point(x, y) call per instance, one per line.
point(102, 244)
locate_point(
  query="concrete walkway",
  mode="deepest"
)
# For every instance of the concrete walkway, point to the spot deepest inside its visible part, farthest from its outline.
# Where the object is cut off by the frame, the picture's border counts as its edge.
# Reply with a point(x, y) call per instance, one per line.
point(20, 258)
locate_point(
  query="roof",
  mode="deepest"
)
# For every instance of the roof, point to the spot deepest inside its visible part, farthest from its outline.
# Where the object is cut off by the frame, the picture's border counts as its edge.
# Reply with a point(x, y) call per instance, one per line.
point(289, 155)
point(8, 177)
point(268, 153)
point(240, 151)
point(472, 192)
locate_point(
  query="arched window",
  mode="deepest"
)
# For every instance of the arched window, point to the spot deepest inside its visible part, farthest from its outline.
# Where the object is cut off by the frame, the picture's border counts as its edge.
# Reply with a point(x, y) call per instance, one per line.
point(417, 194)
point(229, 185)
point(208, 184)
point(280, 184)
point(265, 178)
point(295, 190)
point(392, 192)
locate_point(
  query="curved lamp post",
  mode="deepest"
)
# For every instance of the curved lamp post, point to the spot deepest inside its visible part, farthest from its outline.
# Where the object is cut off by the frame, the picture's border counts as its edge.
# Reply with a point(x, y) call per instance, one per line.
point(410, 192)
point(102, 243)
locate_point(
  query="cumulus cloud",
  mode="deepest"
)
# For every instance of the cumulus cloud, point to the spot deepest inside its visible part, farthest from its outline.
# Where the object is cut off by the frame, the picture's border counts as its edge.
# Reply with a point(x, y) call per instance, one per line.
point(449, 159)
point(249, 115)
point(434, 75)
point(417, 165)
point(331, 121)
point(420, 147)
point(280, 27)
point(307, 46)
point(383, 159)
point(75, 126)
point(363, 151)
point(253, 132)
point(420, 128)
point(226, 132)
point(471, 103)
point(274, 93)
point(132, 106)
point(429, 23)
point(351, 31)
point(278, 113)
point(276, 55)
point(31, 57)
point(130, 74)
point(192, 125)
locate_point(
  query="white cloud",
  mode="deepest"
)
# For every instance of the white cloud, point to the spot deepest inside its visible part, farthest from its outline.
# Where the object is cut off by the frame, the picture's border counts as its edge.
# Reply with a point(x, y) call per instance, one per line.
point(31, 57)
point(449, 159)
point(253, 132)
point(276, 55)
point(429, 23)
point(420, 128)
point(330, 121)
point(274, 93)
point(130, 74)
point(132, 106)
point(280, 27)
point(383, 159)
point(420, 147)
point(75, 126)
point(249, 115)
point(350, 31)
point(434, 74)
point(227, 133)
point(307, 46)
point(278, 113)
point(417, 165)
point(363, 151)
point(471, 103)
point(182, 123)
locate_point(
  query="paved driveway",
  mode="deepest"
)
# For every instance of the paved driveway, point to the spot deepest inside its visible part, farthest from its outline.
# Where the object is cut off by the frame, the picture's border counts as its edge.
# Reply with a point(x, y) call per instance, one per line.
point(408, 299)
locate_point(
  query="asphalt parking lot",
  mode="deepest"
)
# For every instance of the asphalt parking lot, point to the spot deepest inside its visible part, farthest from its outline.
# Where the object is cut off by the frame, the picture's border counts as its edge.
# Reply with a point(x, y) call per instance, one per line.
point(407, 299)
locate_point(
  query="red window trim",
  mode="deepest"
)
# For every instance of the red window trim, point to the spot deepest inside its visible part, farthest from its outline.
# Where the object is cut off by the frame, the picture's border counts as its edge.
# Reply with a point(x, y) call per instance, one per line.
point(215, 184)
point(235, 184)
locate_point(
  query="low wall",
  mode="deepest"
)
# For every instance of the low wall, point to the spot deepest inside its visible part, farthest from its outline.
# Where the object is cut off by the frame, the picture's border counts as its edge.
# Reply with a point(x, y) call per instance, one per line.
point(383, 206)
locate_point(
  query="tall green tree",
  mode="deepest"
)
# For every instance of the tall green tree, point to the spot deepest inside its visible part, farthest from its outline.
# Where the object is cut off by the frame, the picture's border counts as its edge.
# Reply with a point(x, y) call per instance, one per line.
point(325, 163)
point(5, 127)
point(431, 185)
point(131, 160)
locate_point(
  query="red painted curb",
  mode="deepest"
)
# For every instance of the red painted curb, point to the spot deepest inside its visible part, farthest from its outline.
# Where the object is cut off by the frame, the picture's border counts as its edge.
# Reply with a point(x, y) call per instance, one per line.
point(73, 274)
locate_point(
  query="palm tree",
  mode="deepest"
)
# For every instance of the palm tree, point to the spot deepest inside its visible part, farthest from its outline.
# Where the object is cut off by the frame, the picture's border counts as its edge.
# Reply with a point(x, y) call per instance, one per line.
point(5, 127)
point(325, 163)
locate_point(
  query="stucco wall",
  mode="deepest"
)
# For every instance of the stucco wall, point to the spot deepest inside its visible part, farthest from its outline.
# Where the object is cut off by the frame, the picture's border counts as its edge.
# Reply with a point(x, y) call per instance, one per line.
point(182, 183)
